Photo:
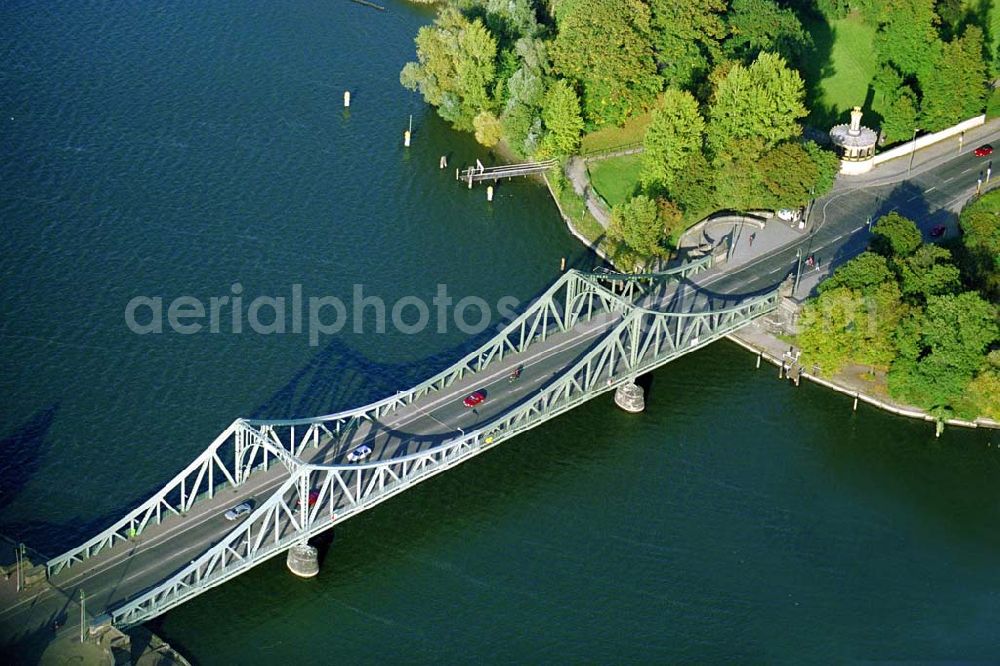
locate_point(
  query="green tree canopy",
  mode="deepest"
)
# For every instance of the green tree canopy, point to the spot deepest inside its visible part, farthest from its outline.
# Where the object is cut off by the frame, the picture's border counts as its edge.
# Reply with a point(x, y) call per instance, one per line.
point(928, 272)
point(561, 115)
point(899, 116)
point(605, 47)
point(761, 25)
point(687, 37)
point(907, 34)
point(455, 68)
point(694, 189)
point(794, 173)
point(955, 87)
point(895, 236)
point(674, 133)
point(862, 273)
point(941, 349)
point(637, 224)
point(759, 105)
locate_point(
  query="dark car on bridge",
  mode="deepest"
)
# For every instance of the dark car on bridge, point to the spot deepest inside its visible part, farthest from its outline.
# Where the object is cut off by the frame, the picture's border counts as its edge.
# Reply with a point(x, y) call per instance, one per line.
point(474, 398)
point(984, 150)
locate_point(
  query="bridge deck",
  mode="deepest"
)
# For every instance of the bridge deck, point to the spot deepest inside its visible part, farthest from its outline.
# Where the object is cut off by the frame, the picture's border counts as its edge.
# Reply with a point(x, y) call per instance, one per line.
point(119, 574)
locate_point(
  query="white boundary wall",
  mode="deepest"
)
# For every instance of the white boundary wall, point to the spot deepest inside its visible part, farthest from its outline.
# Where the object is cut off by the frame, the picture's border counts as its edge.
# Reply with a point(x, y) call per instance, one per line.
point(924, 141)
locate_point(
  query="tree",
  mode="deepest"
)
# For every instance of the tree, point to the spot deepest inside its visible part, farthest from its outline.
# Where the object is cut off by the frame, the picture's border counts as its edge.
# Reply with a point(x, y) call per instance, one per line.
point(739, 183)
point(945, 348)
point(561, 115)
point(899, 117)
point(759, 104)
point(487, 128)
point(862, 273)
point(827, 167)
point(687, 38)
point(671, 220)
point(455, 68)
point(605, 47)
point(895, 236)
point(929, 272)
point(521, 118)
point(761, 25)
point(827, 325)
point(636, 223)
point(694, 189)
point(955, 87)
point(981, 241)
point(675, 132)
point(794, 173)
point(907, 35)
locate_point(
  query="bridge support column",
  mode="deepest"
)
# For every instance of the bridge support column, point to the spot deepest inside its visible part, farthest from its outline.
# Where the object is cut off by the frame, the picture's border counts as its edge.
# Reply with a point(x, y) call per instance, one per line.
point(303, 560)
point(629, 397)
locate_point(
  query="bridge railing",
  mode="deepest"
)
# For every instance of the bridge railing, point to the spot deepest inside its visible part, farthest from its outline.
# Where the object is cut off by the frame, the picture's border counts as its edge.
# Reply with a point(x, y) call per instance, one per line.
point(228, 461)
point(642, 340)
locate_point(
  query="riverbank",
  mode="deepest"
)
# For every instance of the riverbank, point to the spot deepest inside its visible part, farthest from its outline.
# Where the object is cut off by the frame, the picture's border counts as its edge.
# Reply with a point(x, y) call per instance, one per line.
point(776, 351)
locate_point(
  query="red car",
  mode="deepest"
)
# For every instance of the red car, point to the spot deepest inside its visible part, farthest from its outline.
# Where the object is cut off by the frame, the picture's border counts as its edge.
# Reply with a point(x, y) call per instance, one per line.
point(313, 498)
point(474, 398)
point(983, 150)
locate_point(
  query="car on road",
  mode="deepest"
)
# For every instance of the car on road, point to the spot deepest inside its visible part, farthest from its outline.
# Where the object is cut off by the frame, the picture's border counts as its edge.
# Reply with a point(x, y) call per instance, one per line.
point(313, 498)
point(983, 150)
point(359, 453)
point(474, 398)
point(238, 511)
point(938, 231)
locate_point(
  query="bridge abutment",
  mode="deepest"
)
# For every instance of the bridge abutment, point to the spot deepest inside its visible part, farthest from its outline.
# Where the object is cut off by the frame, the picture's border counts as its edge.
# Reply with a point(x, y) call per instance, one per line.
point(303, 560)
point(630, 398)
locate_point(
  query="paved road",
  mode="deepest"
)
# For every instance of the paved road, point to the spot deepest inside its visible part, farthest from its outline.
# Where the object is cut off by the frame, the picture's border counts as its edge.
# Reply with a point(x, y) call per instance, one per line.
point(837, 230)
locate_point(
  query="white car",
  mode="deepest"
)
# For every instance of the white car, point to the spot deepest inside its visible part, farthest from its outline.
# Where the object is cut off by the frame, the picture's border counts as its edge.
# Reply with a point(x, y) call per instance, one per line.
point(359, 453)
point(789, 214)
point(239, 510)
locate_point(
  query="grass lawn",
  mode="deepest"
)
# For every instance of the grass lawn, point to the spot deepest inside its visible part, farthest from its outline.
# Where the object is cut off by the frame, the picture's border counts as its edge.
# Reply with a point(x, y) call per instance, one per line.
point(839, 69)
point(612, 137)
point(615, 178)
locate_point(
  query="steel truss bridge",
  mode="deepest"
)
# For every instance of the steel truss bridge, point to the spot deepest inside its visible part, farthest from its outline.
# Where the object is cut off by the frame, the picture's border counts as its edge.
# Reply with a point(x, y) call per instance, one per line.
point(586, 335)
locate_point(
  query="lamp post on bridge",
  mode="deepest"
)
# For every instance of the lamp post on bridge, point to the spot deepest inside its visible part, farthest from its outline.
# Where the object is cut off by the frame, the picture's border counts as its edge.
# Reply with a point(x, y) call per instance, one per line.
point(798, 270)
point(19, 556)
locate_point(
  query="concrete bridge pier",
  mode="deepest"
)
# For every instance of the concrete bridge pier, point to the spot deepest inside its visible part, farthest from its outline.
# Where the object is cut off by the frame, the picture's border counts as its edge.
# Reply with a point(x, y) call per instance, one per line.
point(303, 560)
point(629, 397)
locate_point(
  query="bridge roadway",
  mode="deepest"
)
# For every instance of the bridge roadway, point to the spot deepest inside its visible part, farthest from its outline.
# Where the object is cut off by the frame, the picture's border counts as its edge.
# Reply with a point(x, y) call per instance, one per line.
point(117, 574)
point(839, 232)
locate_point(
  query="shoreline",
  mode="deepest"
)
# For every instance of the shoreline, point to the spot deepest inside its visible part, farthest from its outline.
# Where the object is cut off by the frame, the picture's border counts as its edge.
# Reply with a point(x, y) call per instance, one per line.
point(743, 339)
point(766, 351)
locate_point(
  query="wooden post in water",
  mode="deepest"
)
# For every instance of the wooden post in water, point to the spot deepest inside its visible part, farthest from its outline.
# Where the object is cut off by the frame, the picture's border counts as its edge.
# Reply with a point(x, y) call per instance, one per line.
point(855, 402)
point(562, 265)
point(443, 163)
point(758, 361)
point(489, 193)
point(347, 99)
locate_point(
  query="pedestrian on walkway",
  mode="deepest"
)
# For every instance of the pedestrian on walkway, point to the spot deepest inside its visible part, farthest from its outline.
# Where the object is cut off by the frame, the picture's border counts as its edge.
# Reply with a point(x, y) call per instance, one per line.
point(751, 237)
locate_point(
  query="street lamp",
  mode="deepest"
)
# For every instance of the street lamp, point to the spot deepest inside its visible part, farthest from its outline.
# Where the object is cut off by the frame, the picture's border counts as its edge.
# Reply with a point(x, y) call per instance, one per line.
point(19, 557)
point(912, 150)
point(798, 271)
